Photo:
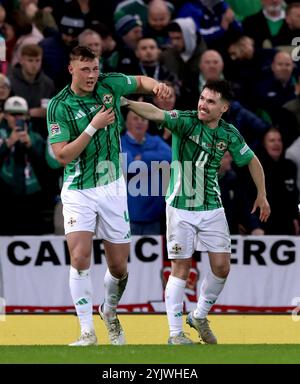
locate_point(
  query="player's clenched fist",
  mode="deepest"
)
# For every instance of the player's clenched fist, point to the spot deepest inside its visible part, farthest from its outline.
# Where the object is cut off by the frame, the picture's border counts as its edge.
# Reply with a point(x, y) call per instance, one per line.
point(162, 91)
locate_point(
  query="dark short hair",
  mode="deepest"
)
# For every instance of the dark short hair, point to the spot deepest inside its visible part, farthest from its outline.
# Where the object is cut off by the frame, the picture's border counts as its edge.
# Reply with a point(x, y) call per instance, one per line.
point(174, 27)
point(221, 86)
point(81, 52)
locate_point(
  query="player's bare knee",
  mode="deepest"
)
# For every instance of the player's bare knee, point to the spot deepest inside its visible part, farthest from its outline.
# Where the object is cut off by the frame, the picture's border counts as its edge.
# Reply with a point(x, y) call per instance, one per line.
point(221, 270)
point(181, 268)
point(80, 261)
point(117, 271)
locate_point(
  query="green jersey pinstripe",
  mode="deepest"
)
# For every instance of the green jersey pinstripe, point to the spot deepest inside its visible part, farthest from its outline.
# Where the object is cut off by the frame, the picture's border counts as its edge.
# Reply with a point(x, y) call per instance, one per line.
point(69, 114)
point(197, 151)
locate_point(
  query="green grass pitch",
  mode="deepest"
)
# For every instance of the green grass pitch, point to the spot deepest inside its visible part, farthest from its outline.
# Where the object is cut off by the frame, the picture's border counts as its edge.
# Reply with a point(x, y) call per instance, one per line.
point(152, 354)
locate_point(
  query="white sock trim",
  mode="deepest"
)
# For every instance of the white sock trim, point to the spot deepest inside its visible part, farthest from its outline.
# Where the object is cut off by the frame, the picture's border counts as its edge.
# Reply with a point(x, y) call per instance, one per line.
point(220, 279)
point(79, 274)
point(177, 281)
point(112, 277)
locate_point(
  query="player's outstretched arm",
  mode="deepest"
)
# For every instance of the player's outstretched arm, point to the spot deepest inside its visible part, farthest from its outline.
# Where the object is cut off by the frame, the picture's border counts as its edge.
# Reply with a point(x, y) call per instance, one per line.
point(149, 85)
point(145, 110)
point(261, 202)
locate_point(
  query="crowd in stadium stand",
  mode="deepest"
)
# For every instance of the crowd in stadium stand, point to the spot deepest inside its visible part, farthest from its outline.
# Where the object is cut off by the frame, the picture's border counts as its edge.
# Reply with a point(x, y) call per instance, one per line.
point(252, 44)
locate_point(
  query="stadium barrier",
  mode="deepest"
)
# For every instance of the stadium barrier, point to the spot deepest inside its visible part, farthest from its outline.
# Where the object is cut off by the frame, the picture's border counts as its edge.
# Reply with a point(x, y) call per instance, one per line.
point(264, 275)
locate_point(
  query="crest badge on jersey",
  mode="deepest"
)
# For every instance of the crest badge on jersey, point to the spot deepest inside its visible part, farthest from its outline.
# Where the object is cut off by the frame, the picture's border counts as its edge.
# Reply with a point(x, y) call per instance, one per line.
point(221, 145)
point(55, 129)
point(108, 98)
point(176, 249)
point(173, 114)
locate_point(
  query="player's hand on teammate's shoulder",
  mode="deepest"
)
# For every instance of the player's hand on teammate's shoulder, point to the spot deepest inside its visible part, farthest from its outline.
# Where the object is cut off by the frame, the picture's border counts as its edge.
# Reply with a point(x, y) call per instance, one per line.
point(162, 91)
point(103, 118)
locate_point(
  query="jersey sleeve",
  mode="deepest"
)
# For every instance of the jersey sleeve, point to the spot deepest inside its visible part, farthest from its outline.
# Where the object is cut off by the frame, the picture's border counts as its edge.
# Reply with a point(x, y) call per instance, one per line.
point(239, 149)
point(176, 121)
point(121, 84)
point(56, 123)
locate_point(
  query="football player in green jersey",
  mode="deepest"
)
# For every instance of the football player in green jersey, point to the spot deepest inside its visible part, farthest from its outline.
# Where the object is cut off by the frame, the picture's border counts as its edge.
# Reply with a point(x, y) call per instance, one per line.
point(94, 191)
point(194, 208)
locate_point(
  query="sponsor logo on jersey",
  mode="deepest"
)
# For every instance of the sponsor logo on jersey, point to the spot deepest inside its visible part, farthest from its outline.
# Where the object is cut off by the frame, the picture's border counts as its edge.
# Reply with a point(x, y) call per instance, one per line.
point(195, 139)
point(108, 98)
point(55, 129)
point(221, 145)
point(244, 149)
point(173, 114)
point(79, 115)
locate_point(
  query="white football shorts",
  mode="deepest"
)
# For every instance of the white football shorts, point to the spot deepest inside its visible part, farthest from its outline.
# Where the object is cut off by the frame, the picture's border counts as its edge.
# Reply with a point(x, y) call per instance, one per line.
point(102, 210)
point(188, 231)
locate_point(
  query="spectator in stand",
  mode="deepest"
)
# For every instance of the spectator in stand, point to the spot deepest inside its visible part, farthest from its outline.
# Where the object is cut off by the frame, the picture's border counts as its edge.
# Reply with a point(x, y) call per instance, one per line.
point(54, 7)
point(183, 56)
point(19, 31)
point(292, 153)
point(265, 25)
point(22, 159)
point(159, 17)
point(215, 21)
point(92, 11)
point(146, 203)
point(276, 89)
point(211, 66)
point(291, 27)
point(41, 18)
point(5, 90)
point(30, 82)
point(132, 8)
point(109, 54)
point(244, 8)
point(92, 39)
point(281, 186)
point(279, 86)
point(147, 53)
point(129, 30)
point(250, 126)
point(57, 48)
point(246, 66)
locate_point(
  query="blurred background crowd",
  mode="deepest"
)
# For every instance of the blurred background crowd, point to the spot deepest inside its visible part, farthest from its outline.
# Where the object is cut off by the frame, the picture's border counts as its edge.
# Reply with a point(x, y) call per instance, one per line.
point(251, 43)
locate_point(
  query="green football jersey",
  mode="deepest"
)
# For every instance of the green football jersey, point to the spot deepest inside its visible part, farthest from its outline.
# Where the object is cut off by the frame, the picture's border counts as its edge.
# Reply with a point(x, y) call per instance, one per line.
point(69, 114)
point(197, 151)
